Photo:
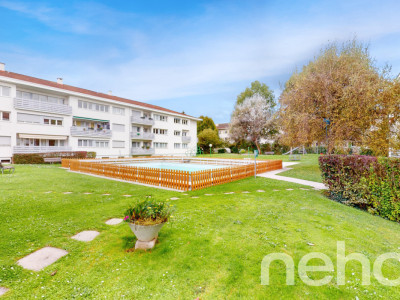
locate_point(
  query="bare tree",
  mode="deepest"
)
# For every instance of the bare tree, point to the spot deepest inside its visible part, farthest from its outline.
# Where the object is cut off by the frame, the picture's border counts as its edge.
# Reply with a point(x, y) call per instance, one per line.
point(252, 120)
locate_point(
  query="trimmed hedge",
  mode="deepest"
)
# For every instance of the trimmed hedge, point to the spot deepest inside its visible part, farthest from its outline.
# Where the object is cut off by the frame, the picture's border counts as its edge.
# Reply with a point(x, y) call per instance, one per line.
point(365, 182)
point(38, 158)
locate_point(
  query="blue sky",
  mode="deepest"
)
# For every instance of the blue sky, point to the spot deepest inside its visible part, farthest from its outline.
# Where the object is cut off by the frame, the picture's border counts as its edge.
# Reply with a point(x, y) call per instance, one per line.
point(192, 56)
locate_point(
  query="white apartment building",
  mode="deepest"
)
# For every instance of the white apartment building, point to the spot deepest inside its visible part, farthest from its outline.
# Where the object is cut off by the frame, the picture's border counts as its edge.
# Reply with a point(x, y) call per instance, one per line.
point(38, 115)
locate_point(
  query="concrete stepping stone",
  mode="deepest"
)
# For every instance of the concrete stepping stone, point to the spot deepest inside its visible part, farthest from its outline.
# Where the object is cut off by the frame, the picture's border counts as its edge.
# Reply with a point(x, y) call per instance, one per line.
point(194, 197)
point(245, 192)
point(106, 194)
point(41, 258)
point(87, 193)
point(66, 193)
point(114, 221)
point(48, 192)
point(127, 195)
point(185, 194)
point(173, 198)
point(260, 191)
point(3, 290)
point(229, 193)
point(289, 189)
point(86, 236)
point(208, 194)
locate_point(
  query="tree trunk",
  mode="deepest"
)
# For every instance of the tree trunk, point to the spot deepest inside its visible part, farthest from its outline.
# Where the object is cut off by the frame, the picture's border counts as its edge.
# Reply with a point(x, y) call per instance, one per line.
point(258, 147)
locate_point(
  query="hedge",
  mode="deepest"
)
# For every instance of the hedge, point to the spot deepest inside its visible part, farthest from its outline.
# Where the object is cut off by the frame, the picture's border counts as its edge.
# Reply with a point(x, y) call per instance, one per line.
point(38, 158)
point(366, 182)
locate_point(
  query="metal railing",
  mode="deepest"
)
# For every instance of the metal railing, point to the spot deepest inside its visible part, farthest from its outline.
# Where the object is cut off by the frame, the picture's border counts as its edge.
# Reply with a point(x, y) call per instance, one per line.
point(142, 136)
point(142, 151)
point(142, 120)
point(36, 105)
point(186, 139)
point(81, 131)
point(40, 149)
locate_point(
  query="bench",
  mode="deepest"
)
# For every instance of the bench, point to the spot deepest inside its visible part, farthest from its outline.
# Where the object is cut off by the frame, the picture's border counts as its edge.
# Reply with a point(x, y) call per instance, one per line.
point(52, 160)
point(9, 168)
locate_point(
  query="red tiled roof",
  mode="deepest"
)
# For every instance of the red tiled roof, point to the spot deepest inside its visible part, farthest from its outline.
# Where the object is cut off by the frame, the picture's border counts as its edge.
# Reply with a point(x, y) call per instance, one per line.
point(84, 91)
point(223, 126)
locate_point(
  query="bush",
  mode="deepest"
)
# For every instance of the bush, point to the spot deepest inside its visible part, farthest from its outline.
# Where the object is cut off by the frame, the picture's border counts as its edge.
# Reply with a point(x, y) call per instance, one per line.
point(38, 158)
point(234, 149)
point(242, 151)
point(222, 150)
point(365, 182)
point(91, 155)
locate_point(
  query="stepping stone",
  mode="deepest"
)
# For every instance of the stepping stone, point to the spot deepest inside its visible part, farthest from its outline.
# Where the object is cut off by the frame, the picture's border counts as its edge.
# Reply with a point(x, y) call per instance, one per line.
point(229, 193)
point(185, 194)
point(260, 191)
point(208, 194)
point(114, 221)
point(66, 193)
point(86, 236)
point(145, 245)
point(127, 195)
point(173, 198)
point(42, 258)
point(194, 197)
point(48, 192)
point(245, 192)
point(106, 194)
point(289, 189)
point(3, 290)
point(87, 193)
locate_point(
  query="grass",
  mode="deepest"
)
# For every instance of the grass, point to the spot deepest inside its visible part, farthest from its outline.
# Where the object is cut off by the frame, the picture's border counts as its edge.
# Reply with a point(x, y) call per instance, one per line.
point(307, 168)
point(212, 250)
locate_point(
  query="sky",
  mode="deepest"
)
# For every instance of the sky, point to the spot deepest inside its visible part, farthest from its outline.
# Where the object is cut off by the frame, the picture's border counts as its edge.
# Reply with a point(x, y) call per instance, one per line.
point(191, 56)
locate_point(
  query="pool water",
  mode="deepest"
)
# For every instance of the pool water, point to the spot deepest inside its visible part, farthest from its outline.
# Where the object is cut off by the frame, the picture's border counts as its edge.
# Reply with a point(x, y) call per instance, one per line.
point(177, 166)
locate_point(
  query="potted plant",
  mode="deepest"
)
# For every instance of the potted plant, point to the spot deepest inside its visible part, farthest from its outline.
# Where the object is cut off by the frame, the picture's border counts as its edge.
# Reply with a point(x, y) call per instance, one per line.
point(147, 217)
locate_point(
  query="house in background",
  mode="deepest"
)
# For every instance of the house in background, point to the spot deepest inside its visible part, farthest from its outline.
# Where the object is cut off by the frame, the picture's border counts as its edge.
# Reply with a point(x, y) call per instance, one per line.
point(223, 131)
point(38, 115)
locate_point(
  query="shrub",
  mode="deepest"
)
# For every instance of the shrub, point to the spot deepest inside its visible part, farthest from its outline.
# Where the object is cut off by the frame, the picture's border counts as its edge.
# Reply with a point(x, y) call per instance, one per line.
point(148, 212)
point(38, 158)
point(365, 182)
point(234, 149)
point(222, 150)
point(91, 155)
point(242, 151)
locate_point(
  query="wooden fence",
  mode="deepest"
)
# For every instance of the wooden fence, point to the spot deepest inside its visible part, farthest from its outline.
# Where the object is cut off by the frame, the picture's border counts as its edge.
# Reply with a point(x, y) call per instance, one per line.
point(174, 179)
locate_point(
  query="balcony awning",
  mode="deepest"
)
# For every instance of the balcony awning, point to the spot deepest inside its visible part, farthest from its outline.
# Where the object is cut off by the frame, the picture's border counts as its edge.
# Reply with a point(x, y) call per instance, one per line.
point(42, 136)
point(90, 119)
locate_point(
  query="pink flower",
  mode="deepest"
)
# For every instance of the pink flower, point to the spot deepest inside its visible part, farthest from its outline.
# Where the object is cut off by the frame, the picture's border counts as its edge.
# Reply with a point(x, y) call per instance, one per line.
point(126, 218)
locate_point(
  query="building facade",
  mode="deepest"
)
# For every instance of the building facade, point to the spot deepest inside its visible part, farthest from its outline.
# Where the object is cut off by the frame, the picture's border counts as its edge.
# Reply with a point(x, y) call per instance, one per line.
point(44, 116)
point(223, 131)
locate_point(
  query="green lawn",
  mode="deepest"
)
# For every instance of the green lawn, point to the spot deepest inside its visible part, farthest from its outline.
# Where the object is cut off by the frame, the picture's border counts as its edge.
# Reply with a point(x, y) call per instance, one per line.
point(212, 250)
point(307, 168)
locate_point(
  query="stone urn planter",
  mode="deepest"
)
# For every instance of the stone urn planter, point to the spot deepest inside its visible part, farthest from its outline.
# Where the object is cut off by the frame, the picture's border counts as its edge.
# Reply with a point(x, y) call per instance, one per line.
point(146, 233)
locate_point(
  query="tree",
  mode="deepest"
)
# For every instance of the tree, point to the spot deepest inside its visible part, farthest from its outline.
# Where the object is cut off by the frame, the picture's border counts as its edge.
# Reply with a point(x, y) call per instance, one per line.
point(333, 99)
point(252, 120)
point(206, 122)
point(206, 137)
point(257, 88)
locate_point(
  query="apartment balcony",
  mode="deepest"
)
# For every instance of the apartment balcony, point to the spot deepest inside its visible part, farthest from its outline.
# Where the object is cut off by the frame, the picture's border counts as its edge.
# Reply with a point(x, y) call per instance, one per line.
point(41, 106)
point(147, 136)
point(186, 139)
point(39, 149)
point(142, 120)
point(87, 132)
point(142, 151)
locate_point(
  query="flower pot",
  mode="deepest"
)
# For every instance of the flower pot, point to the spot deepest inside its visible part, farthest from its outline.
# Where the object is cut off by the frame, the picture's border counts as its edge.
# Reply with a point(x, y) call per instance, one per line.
point(146, 233)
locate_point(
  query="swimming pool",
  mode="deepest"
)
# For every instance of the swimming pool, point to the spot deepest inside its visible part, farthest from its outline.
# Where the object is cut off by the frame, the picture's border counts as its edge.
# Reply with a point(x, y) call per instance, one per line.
point(191, 167)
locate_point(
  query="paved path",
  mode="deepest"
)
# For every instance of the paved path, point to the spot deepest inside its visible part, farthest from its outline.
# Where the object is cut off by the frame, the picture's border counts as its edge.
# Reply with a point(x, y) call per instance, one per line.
point(272, 175)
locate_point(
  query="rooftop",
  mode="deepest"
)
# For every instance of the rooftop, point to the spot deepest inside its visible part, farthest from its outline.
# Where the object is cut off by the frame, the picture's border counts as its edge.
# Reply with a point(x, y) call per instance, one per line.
point(222, 126)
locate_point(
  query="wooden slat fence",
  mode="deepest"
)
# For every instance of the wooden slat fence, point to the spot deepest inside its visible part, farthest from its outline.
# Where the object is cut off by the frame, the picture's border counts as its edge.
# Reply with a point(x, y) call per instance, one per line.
point(174, 179)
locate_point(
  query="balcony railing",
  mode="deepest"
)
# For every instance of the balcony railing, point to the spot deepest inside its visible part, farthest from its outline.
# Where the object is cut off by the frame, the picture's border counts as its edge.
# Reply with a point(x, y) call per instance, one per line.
point(142, 120)
point(36, 105)
point(39, 149)
point(186, 139)
point(142, 151)
point(142, 136)
point(81, 131)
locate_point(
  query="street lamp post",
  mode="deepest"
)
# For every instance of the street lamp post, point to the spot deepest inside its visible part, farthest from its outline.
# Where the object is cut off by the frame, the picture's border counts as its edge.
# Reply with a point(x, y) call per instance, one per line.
point(327, 122)
point(210, 149)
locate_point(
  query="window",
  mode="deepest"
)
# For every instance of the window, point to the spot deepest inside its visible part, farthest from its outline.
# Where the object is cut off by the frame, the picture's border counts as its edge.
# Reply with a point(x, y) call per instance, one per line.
point(135, 144)
point(160, 131)
point(177, 121)
point(185, 122)
point(118, 111)
point(184, 146)
point(118, 144)
point(4, 116)
point(161, 145)
point(161, 118)
point(39, 97)
point(5, 91)
point(185, 133)
point(5, 141)
point(177, 133)
point(93, 143)
point(92, 106)
point(177, 146)
point(118, 127)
